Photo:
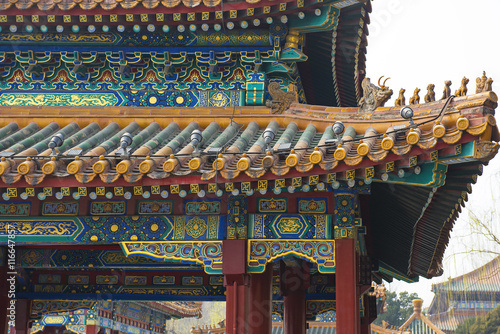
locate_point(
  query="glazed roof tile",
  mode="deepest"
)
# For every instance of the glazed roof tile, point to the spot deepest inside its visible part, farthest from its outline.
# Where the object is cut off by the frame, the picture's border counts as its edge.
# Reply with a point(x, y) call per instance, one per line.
point(233, 147)
point(448, 150)
point(483, 279)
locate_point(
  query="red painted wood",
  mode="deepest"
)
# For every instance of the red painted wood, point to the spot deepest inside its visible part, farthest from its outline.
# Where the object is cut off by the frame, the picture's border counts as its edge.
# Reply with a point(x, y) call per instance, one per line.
point(295, 281)
point(23, 310)
point(234, 256)
point(91, 329)
point(294, 313)
point(260, 303)
point(4, 300)
point(236, 308)
point(348, 321)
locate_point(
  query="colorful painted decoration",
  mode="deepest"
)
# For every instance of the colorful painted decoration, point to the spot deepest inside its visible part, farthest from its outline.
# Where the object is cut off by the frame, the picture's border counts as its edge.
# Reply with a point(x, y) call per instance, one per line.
point(108, 208)
point(312, 205)
point(320, 252)
point(60, 208)
point(198, 227)
point(206, 253)
point(344, 210)
point(163, 280)
point(202, 207)
point(152, 207)
point(192, 280)
point(272, 205)
point(289, 226)
point(136, 280)
point(10, 208)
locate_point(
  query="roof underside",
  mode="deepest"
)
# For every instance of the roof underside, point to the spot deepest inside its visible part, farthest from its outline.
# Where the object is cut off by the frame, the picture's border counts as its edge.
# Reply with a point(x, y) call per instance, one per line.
point(333, 74)
point(401, 219)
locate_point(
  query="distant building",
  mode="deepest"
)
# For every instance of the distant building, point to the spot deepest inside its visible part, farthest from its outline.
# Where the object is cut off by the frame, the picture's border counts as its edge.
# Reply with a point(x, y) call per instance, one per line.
point(417, 323)
point(473, 294)
point(107, 317)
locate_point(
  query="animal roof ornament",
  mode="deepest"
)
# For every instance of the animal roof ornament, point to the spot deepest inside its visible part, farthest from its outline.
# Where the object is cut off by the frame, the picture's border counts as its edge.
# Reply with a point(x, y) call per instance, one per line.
point(373, 96)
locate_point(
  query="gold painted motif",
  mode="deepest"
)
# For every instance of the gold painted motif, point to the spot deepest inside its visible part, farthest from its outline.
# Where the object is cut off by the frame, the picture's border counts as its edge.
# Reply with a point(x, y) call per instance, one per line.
point(267, 9)
point(205, 16)
point(233, 14)
point(194, 188)
point(212, 187)
point(313, 180)
point(218, 15)
point(98, 18)
point(289, 225)
point(144, 18)
point(282, 6)
point(177, 16)
point(30, 192)
point(413, 161)
point(12, 192)
point(3, 18)
point(83, 18)
point(19, 18)
point(331, 177)
point(155, 190)
point(35, 18)
point(250, 11)
point(137, 190)
point(297, 182)
point(229, 186)
point(279, 183)
point(350, 174)
point(67, 18)
point(100, 191)
point(389, 167)
point(118, 191)
point(179, 227)
point(262, 184)
point(113, 18)
point(191, 16)
point(82, 191)
point(369, 172)
point(458, 149)
point(434, 156)
point(246, 186)
point(47, 191)
point(196, 227)
point(58, 99)
point(65, 191)
point(39, 228)
point(174, 189)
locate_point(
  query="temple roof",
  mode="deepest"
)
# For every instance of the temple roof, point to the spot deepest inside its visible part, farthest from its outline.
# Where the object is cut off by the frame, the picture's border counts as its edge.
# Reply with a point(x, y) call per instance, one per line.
point(422, 174)
point(232, 142)
point(483, 279)
point(177, 309)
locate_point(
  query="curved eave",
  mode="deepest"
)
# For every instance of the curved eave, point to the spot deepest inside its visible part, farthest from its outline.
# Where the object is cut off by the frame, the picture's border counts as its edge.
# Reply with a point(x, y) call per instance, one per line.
point(337, 60)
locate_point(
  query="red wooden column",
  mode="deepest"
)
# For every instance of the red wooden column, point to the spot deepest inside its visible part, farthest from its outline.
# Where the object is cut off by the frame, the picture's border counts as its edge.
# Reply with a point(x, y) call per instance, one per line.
point(260, 303)
point(4, 300)
point(90, 329)
point(295, 280)
point(236, 281)
point(348, 320)
point(23, 311)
